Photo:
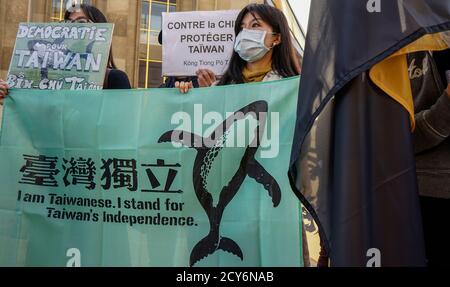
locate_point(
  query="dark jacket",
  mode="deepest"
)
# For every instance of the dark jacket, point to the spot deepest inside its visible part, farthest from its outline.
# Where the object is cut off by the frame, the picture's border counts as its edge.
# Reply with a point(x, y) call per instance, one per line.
point(116, 79)
point(432, 133)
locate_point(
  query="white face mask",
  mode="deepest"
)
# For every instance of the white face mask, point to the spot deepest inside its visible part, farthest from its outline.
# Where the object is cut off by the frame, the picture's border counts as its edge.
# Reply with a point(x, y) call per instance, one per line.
point(250, 45)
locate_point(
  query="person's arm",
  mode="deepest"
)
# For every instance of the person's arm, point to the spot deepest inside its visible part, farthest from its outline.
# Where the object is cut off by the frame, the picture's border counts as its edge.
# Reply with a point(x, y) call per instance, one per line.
point(3, 90)
point(433, 125)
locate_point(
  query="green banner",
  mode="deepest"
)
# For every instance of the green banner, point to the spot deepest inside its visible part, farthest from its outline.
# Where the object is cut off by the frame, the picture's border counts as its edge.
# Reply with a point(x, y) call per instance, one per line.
point(60, 56)
point(150, 177)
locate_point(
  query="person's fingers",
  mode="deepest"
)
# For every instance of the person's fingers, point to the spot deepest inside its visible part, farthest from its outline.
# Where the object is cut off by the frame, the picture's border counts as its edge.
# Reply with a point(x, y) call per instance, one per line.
point(177, 84)
point(207, 77)
point(211, 75)
point(188, 86)
point(182, 87)
point(3, 83)
point(201, 81)
point(3, 89)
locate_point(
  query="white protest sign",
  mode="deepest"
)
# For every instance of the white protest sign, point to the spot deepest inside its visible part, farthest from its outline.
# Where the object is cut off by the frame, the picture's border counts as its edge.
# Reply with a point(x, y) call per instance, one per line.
point(195, 40)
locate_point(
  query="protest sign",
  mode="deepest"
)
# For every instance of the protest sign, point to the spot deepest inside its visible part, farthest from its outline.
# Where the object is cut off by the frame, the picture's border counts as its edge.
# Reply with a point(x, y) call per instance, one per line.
point(194, 40)
point(56, 56)
point(160, 181)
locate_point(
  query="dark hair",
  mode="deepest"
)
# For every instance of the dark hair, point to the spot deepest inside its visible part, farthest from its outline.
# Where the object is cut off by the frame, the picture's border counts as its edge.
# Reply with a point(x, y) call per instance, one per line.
point(283, 60)
point(96, 16)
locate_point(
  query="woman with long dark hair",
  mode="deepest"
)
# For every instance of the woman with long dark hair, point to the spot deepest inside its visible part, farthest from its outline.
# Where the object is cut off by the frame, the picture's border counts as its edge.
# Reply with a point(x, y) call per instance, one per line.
point(114, 78)
point(263, 50)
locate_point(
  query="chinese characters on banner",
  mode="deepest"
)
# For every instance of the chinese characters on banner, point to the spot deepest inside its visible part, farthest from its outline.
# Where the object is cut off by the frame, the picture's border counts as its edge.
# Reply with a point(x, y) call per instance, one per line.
point(150, 177)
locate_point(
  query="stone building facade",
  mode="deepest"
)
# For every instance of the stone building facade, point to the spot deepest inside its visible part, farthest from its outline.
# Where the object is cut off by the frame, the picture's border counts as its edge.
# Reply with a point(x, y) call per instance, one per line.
point(137, 24)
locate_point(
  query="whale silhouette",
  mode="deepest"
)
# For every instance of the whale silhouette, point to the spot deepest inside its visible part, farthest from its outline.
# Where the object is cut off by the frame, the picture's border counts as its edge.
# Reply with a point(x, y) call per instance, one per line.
point(248, 166)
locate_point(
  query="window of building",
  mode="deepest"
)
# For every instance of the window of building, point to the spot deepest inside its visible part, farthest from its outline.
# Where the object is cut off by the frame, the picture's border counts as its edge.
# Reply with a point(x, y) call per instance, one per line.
point(59, 7)
point(150, 52)
point(296, 30)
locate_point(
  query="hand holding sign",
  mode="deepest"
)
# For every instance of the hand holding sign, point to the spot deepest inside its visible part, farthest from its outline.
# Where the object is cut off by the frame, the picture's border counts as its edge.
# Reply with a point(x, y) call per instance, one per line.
point(206, 77)
point(3, 90)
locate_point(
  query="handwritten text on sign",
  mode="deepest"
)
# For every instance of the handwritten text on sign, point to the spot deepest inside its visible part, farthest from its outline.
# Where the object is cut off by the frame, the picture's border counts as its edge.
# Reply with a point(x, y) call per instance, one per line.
point(55, 56)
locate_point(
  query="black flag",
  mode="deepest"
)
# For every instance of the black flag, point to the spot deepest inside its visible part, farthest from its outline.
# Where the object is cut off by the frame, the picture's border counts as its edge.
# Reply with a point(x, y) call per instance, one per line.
point(353, 166)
